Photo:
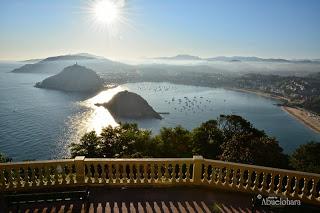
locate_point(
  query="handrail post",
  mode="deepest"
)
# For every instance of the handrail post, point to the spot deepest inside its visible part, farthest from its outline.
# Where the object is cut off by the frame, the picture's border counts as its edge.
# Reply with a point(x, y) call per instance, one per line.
point(80, 169)
point(197, 169)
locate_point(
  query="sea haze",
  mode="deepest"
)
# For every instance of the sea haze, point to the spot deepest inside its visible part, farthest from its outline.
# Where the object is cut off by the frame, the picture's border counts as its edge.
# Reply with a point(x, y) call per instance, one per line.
point(41, 124)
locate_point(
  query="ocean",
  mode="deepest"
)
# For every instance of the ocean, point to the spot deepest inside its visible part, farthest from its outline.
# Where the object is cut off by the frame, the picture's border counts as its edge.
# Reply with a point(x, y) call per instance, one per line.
point(41, 124)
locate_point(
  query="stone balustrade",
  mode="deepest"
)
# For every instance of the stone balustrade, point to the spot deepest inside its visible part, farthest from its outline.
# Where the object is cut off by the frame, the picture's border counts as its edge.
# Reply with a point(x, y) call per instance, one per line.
point(82, 171)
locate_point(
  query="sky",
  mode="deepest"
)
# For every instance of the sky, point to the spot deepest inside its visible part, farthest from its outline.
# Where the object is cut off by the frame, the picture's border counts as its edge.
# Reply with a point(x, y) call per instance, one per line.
point(152, 28)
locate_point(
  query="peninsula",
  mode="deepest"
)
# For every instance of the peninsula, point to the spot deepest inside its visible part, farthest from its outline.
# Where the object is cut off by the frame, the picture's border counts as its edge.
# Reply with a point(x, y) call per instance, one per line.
point(130, 105)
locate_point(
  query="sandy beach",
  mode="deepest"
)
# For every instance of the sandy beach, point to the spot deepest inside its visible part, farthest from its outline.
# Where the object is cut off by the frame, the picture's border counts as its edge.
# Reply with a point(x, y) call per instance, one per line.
point(309, 119)
point(263, 94)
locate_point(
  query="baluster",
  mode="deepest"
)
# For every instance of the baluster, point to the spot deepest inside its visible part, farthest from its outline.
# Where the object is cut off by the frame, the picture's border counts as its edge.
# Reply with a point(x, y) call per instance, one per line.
point(124, 173)
point(305, 188)
point(110, 173)
point(264, 182)
point(117, 168)
point(295, 188)
point(2, 180)
point(36, 178)
point(242, 179)
point(180, 178)
point(310, 196)
point(312, 190)
point(173, 174)
point(27, 177)
point(104, 173)
point(221, 176)
point(278, 187)
point(145, 173)
point(56, 175)
point(52, 175)
point(152, 173)
point(24, 178)
point(95, 167)
point(188, 172)
point(40, 176)
point(235, 180)
point(285, 192)
point(137, 173)
point(11, 178)
point(166, 172)
point(217, 175)
point(252, 181)
point(272, 176)
point(71, 174)
point(19, 179)
point(131, 175)
point(204, 173)
point(216, 178)
point(14, 177)
point(228, 177)
point(63, 174)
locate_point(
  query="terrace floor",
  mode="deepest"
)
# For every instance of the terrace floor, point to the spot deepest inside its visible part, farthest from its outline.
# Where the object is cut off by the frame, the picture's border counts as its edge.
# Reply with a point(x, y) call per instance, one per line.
point(147, 200)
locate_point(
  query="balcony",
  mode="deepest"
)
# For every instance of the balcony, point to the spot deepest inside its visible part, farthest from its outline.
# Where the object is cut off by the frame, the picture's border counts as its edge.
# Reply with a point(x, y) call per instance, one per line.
point(159, 184)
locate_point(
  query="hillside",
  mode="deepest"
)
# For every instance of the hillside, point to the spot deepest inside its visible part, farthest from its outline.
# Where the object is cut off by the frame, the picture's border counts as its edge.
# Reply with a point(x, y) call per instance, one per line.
point(130, 105)
point(74, 78)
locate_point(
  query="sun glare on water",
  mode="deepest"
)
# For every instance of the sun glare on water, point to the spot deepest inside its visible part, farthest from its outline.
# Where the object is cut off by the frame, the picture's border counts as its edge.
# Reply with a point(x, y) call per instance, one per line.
point(99, 116)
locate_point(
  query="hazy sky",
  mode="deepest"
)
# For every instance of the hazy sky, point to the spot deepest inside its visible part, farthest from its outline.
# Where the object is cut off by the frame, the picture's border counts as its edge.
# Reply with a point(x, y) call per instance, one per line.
point(265, 28)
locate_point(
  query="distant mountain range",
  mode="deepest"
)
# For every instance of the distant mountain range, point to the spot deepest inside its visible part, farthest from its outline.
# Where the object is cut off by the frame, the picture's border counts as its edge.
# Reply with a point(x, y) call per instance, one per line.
point(180, 57)
point(238, 59)
point(56, 63)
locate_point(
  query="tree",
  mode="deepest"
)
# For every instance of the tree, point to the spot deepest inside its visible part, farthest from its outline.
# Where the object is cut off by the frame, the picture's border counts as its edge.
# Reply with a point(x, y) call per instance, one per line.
point(207, 139)
point(4, 158)
point(125, 140)
point(174, 142)
point(250, 149)
point(232, 125)
point(306, 157)
point(88, 146)
point(245, 144)
point(230, 138)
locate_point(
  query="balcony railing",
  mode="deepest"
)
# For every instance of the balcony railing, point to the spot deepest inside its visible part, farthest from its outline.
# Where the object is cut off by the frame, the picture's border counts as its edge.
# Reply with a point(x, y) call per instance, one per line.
point(82, 171)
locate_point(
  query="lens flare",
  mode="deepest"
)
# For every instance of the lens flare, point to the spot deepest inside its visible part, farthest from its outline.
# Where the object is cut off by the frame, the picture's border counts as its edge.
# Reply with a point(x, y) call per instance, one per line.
point(106, 11)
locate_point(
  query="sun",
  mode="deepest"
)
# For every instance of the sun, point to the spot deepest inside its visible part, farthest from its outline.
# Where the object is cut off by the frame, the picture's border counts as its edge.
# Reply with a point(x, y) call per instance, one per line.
point(106, 11)
point(108, 16)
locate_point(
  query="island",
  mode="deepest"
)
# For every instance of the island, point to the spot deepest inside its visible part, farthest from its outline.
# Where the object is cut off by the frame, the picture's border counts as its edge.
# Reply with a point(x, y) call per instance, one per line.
point(74, 78)
point(130, 105)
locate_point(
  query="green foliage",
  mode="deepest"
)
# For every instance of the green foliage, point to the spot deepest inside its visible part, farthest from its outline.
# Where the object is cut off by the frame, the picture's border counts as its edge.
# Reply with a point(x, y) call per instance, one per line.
point(306, 157)
point(174, 142)
point(232, 125)
point(4, 158)
point(88, 146)
point(207, 140)
point(126, 140)
point(230, 138)
point(250, 149)
point(312, 104)
point(245, 144)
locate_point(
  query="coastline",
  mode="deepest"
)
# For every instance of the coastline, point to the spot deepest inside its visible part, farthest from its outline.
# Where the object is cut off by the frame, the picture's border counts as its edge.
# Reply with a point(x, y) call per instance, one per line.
point(310, 120)
point(307, 118)
point(259, 93)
